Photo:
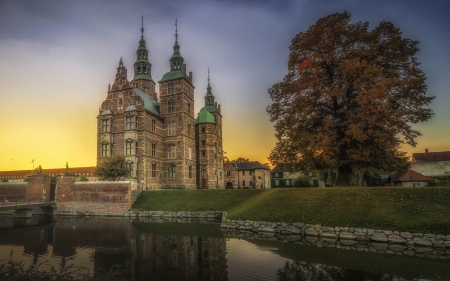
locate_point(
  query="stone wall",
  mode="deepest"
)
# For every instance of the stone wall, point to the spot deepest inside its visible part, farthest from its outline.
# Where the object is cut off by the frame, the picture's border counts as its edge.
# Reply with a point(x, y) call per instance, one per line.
point(430, 169)
point(12, 192)
point(92, 197)
point(350, 238)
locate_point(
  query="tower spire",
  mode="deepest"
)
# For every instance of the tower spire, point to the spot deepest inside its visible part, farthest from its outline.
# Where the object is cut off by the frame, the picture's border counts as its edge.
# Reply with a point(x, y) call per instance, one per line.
point(176, 30)
point(142, 27)
point(208, 77)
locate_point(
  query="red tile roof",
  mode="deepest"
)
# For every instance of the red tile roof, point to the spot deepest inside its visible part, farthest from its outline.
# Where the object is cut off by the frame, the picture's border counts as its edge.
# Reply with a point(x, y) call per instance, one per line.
point(57, 171)
point(409, 175)
point(431, 156)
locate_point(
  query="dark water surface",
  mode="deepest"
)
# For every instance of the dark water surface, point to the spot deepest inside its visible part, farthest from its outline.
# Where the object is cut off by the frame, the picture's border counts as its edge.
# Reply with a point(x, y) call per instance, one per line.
point(170, 251)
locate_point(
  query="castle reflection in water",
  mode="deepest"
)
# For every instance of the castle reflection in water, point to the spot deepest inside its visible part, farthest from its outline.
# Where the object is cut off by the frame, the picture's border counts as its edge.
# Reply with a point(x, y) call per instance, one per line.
point(99, 244)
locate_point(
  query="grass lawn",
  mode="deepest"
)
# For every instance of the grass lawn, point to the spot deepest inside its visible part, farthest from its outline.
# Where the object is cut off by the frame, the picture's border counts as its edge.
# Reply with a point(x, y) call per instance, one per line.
point(392, 208)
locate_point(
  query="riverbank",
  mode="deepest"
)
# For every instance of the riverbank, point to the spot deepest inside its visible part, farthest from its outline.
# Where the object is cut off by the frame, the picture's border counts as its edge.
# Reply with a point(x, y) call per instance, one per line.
point(425, 210)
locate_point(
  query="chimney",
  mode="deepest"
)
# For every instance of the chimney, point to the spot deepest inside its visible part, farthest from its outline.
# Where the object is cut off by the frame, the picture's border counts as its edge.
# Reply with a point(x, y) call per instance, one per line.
point(190, 76)
point(183, 68)
point(426, 150)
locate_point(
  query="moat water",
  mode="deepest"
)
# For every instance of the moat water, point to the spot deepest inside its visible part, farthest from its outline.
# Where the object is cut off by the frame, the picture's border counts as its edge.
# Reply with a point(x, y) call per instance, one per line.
point(171, 251)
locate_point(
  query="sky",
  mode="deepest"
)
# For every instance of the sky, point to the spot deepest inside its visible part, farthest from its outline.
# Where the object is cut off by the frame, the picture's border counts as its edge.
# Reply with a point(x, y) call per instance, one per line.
point(58, 57)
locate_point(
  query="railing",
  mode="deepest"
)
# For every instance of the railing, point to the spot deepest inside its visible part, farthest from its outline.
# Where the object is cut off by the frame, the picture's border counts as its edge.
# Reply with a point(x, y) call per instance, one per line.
point(20, 199)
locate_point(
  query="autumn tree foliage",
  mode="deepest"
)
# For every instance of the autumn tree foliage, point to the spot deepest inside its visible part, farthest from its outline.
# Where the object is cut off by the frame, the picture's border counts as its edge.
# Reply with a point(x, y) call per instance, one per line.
point(112, 168)
point(349, 100)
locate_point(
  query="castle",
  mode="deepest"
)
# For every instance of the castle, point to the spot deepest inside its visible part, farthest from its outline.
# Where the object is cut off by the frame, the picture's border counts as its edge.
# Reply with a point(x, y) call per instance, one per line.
point(164, 144)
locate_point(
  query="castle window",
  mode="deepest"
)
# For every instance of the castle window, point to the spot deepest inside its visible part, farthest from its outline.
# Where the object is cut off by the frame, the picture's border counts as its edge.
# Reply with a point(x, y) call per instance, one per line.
point(203, 130)
point(120, 101)
point(126, 94)
point(153, 125)
point(170, 106)
point(172, 171)
point(189, 129)
point(203, 142)
point(189, 156)
point(114, 96)
point(153, 170)
point(190, 171)
point(130, 148)
point(129, 167)
point(130, 122)
point(105, 125)
point(170, 88)
point(228, 173)
point(203, 153)
point(153, 149)
point(171, 129)
point(105, 149)
point(171, 153)
point(189, 108)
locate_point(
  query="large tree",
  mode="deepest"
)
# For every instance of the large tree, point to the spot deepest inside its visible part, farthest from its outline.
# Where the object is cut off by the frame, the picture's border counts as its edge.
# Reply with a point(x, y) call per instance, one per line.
point(349, 100)
point(112, 168)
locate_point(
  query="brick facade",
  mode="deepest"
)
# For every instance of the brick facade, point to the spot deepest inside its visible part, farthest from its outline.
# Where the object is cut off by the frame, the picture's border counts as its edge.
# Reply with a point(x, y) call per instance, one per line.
point(157, 133)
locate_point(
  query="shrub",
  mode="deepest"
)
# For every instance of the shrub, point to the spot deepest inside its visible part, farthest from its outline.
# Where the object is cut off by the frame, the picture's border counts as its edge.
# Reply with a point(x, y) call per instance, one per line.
point(5, 180)
point(302, 181)
point(83, 178)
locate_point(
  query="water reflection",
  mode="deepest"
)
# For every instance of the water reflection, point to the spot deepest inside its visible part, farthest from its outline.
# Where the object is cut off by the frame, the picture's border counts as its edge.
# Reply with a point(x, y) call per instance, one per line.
point(167, 251)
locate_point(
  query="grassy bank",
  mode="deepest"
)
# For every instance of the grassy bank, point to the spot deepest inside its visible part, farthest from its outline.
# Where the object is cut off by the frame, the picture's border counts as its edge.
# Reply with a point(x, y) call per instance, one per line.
point(403, 209)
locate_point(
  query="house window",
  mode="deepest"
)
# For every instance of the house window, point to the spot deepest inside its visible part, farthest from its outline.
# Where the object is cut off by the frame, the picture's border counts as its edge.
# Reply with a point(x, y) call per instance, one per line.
point(130, 122)
point(170, 88)
point(153, 170)
point(153, 149)
point(105, 149)
point(129, 167)
point(251, 183)
point(105, 125)
point(243, 173)
point(190, 171)
point(170, 106)
point(130, 148)
point(243, 183)
point(153, 126)
point(171, 154)
point(171, 129)
point(288, 182)
point(277, 182)
point(172, 171)
point(276, 175)
point(251, 172)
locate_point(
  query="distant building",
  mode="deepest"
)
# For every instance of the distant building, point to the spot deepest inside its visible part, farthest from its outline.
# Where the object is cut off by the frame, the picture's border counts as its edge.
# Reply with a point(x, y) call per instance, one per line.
point(21, 175)
point(247, 175)
point(431, 164)
point(409, 178)
point(282, 178)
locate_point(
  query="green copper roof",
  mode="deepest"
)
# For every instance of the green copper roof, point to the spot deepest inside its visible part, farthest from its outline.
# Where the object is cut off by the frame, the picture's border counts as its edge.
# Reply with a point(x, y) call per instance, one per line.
point(211, 108)
point(174, 74)
point(143, 76)
point(204, 117)
point(149, 103)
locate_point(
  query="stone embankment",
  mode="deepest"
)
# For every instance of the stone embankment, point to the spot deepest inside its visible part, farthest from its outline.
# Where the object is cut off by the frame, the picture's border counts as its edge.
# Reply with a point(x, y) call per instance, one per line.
point(157, 216)
point(350, 238)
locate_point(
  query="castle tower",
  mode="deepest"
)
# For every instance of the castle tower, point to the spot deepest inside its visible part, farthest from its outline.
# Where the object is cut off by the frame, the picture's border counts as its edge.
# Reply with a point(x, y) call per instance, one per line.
point(208, 129)
point(177, 109)
point(143, 68)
